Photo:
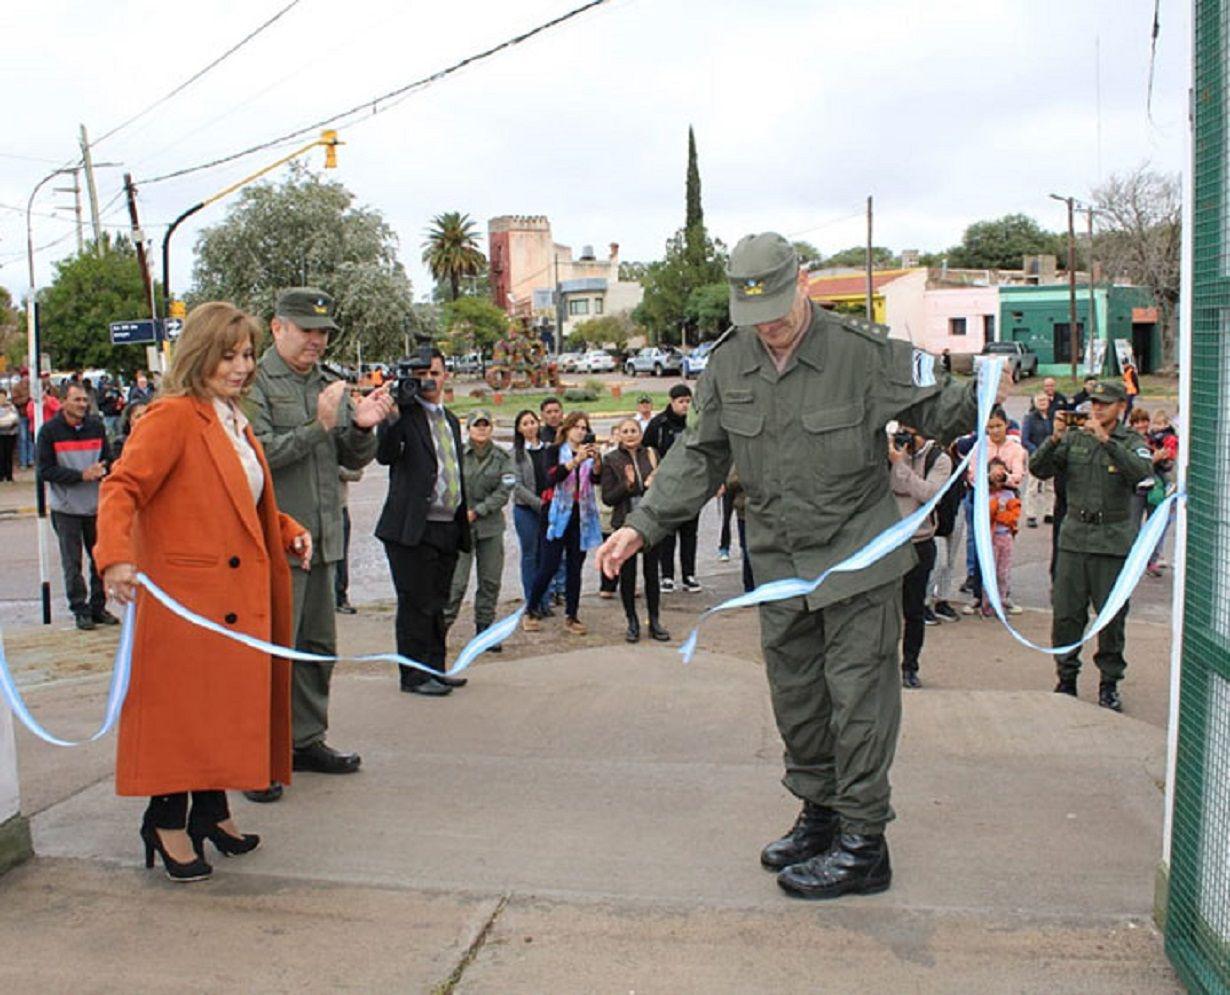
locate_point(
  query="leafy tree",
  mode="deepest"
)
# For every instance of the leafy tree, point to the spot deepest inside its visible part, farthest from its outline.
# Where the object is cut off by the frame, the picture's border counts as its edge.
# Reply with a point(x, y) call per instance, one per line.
point(451, 250)
point(90, 290)
point(856, 256)
point(12, 330)
point(1003, 243)
point(708, 309)
point(473, 324)
point(807, 253)
point(308, 232)
point(632, 272)
point(1138, 238)
point(669, 283)
point(611, 330)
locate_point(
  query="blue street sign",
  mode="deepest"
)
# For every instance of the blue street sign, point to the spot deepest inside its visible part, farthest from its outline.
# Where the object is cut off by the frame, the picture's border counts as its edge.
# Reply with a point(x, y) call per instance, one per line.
point(140, 332)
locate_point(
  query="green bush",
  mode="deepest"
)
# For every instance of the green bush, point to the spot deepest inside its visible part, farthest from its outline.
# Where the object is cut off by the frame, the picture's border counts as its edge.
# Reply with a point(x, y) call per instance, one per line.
point(578, 394)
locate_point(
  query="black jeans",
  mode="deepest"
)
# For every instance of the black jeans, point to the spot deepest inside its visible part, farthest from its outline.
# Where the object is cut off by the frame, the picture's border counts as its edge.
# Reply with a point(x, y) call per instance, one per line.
point(606, 583)
point(171, 811)
point(627, 584)
point(749, 582)
point(341, 576)
point(550, 553)
point(422, 576)
point(687, 550)
point(914, 603)
point(75, 532)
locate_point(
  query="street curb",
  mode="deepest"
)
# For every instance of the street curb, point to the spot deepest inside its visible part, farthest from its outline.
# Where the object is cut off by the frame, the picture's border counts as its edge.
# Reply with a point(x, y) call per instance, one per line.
point(28, 511)
point(15, 842)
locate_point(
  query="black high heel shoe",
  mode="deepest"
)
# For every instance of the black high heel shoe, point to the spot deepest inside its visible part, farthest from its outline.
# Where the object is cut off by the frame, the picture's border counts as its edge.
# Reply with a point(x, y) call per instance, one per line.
point(194, 870)
point(228, 845)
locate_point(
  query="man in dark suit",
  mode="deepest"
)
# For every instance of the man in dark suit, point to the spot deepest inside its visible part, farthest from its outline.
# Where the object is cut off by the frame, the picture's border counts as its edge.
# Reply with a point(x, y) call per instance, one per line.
point(423, 525)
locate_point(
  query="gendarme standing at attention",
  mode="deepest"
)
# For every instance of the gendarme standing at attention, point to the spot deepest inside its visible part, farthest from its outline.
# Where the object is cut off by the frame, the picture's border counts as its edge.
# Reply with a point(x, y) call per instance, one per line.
point(798, 399)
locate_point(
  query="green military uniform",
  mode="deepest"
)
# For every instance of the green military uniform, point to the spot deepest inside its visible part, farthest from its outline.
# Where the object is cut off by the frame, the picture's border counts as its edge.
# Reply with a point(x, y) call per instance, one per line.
point(489, 481)
point(809, 447)
point(1096, 534)
point(304, 458)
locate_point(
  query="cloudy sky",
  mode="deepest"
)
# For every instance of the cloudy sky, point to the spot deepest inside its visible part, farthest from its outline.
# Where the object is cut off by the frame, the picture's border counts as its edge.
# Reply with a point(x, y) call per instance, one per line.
point(946, 113)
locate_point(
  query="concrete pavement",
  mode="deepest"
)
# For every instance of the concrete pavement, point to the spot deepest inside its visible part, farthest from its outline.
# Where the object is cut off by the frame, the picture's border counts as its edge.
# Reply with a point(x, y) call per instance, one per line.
point(589, 820)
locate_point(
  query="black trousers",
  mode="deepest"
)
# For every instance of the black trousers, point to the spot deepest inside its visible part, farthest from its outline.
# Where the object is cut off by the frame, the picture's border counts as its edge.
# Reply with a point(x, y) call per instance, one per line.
point(749, 582)
point(914, 603)
point(171, 811)
point(341, 575)
point(608, 583)
point(687, 550)
point(8, 445)
point(422, 577)
point(728, 508)
point(74, 533)
point(627, 583)
point(551, 551)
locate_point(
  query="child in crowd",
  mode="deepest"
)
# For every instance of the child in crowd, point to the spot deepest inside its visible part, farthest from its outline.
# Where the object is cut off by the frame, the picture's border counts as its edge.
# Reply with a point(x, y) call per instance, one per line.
point(1163, 443)
point(1005, 520)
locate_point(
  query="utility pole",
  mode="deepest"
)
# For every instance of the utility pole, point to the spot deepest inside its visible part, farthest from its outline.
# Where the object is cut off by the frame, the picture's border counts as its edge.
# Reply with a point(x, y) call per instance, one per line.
point(1074, 339)
point(138, 240)
point(870, 282)
point(87, 161)
point(559, 308)
point(75, 190)
point(1093, 314)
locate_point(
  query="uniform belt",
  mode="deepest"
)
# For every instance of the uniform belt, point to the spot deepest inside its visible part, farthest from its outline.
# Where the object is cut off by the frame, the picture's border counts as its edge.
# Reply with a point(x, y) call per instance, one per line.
point(1100, 517)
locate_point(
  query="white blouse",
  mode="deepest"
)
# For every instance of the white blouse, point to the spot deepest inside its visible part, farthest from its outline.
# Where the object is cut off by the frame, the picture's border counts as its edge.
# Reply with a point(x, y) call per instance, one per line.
point(233, 423)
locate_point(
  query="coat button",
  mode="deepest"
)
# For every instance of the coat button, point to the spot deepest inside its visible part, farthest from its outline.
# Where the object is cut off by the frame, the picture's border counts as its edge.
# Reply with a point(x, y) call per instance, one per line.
point(234, 561)
point(231, 618)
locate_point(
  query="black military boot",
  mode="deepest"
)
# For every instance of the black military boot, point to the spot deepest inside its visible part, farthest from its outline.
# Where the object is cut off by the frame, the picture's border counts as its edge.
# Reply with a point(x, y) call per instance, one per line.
point(1108, 696)
point(812, 833)
point(853, 865)
point(1066, 685)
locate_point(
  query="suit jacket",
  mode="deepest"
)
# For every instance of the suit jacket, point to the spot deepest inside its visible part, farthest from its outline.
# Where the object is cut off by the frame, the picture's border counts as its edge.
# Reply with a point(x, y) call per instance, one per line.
point(406, 447)
point(202, 712)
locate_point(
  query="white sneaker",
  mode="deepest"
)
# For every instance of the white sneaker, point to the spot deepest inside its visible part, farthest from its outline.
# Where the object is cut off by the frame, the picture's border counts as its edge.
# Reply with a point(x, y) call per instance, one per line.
point(691, 586)
point(1013, 609)
point(668, 584)
point(973, 609)
point(723, 556)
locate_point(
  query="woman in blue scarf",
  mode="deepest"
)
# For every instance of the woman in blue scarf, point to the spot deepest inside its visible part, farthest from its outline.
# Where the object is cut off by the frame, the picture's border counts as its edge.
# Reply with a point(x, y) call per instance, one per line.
point(570, 525)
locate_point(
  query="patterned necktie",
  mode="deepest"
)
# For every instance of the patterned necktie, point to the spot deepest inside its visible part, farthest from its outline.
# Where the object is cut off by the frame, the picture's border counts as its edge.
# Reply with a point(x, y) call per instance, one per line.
point(449, 472)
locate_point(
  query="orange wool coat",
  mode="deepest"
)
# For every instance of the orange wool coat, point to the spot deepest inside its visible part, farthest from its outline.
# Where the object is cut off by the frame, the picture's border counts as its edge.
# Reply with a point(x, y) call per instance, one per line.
point(202, 712)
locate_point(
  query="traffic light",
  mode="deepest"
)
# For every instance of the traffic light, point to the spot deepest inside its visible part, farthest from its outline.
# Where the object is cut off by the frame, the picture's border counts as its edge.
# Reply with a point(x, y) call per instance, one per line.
point(329, 140)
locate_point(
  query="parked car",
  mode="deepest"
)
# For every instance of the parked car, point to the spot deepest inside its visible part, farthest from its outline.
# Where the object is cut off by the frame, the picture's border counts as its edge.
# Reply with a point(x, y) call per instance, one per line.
point(596, 361)
point(568, 361)
point(1022, 361)
point(656, 361)
point(694, 363)
point(470, 362)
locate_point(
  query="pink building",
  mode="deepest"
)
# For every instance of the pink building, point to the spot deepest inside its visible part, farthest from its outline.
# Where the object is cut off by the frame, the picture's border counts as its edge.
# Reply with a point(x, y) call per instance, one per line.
point(960, 319)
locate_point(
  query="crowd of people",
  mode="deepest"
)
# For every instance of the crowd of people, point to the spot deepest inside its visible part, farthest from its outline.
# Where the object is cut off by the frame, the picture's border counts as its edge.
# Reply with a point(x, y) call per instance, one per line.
point(258, 448)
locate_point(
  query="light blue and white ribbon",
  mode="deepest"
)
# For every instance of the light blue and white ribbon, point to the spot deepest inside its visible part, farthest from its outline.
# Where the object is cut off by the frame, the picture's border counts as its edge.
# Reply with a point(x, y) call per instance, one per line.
point(122, 669)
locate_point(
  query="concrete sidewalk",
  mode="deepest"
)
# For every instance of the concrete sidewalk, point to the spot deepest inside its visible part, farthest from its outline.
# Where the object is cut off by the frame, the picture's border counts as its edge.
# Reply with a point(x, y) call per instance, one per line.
point(590, 820)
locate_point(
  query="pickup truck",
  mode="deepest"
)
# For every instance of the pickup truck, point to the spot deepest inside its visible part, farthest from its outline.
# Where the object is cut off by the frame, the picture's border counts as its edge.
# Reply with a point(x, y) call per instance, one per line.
point(1022, 361)
point(655, 361)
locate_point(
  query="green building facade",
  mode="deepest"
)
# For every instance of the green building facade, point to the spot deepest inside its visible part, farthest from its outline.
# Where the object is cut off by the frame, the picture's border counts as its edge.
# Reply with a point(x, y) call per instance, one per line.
point(1039, 318)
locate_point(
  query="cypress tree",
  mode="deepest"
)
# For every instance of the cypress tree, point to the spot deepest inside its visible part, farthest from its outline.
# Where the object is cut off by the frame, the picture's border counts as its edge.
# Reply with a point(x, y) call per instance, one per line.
point(695, 218)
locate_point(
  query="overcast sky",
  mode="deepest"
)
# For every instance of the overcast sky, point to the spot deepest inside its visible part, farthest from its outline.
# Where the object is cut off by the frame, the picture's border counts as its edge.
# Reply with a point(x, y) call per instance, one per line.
point(947, 113)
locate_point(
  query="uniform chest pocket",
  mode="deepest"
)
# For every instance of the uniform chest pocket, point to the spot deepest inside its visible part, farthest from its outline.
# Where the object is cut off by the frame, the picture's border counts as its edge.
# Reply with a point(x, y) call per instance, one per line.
point(837, 436)
point(286, 413)
point(745, 430)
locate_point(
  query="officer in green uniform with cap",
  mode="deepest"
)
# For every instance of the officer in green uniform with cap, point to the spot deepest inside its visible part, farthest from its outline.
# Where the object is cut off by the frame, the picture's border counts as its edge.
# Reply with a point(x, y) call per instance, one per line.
point(309, 428)
point(797, 399)
point(1103, 461)
point(488, 474)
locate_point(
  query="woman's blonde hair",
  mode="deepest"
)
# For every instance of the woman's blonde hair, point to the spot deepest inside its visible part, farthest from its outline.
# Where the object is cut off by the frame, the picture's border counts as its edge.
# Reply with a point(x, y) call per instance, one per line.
point(210, 331)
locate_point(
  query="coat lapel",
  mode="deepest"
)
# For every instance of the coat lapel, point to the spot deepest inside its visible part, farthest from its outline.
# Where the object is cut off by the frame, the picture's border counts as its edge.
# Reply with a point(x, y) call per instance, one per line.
point(222, 451)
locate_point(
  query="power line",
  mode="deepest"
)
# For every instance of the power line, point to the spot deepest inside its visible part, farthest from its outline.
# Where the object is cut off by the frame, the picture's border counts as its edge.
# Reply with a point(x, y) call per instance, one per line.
point(28, 158)
point(372, 106)
point(198, 74)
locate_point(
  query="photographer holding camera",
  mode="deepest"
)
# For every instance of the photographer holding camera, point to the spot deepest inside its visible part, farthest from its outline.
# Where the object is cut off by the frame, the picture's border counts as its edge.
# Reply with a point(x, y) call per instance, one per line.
point(1104, 461)
point(424, 524)
point(569, 523)
point(919, 467)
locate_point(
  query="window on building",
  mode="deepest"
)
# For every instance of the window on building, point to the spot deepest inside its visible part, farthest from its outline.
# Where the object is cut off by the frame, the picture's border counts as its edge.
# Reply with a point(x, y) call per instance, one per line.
point(597, 305)
point(988, 328)
point(1063, 342)
point(956, 326)
point(579, 306)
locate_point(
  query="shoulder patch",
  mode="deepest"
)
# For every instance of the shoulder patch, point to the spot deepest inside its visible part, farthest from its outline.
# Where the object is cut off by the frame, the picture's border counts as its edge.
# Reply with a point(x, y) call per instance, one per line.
point(1143, 452)
point(865, 329)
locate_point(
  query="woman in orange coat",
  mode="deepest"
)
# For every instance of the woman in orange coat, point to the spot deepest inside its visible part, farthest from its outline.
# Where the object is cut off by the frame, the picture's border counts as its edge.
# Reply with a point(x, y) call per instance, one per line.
point(191, 504)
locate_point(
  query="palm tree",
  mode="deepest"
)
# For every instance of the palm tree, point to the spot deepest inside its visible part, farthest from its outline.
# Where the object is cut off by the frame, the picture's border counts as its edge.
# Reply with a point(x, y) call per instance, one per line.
point(451, 250)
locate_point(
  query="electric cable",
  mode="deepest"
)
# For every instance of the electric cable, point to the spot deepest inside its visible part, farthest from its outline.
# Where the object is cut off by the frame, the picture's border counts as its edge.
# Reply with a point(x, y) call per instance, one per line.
point(372, 106)
point(198, 74)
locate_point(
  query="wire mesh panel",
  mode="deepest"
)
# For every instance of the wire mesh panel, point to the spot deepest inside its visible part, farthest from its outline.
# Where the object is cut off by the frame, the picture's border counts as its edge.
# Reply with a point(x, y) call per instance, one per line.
point(1198, 909)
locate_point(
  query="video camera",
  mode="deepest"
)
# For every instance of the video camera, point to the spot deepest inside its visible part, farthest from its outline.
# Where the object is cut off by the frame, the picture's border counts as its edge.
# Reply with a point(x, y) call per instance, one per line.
point(903, 439)
point(407, 387)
